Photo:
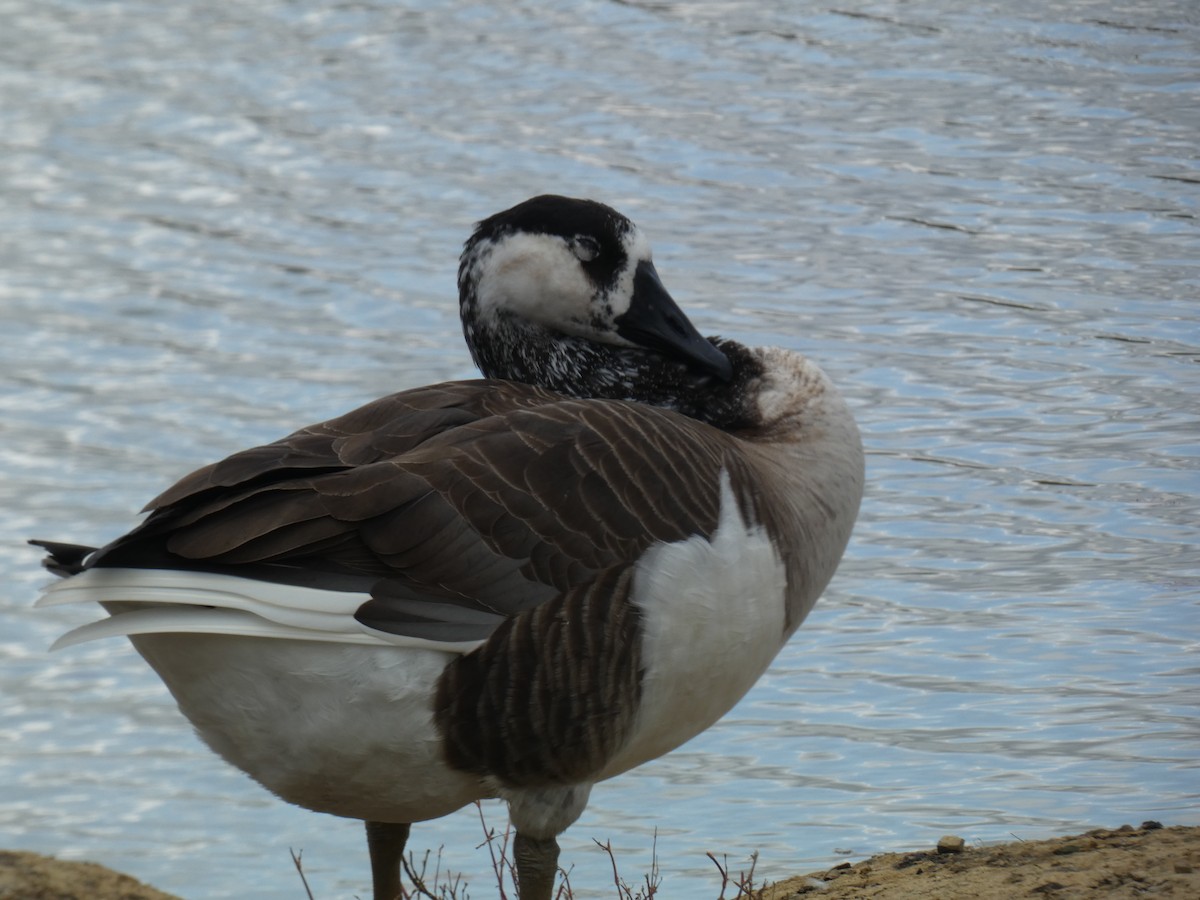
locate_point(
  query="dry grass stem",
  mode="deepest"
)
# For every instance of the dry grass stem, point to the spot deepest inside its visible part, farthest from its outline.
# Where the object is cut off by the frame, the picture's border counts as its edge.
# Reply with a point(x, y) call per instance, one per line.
point(296, 857)
point(443, 884)
point(745, 880)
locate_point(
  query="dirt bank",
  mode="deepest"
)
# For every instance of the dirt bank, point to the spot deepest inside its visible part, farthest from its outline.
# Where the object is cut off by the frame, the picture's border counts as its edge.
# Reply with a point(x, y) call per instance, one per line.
point(30, 876)
point(1127, 862)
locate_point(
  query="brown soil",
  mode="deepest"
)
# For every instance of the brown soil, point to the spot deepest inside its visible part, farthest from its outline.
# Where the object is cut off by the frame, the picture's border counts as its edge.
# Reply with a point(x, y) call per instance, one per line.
point(29, 876)
point(1128, 862)
point(1146, 862)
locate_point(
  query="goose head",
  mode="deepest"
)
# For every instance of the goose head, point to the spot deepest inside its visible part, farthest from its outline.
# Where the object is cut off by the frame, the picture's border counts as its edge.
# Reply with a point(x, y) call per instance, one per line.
point(563, 293)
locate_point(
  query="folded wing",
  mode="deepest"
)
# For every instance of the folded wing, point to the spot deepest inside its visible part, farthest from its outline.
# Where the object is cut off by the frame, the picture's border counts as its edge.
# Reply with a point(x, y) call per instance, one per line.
point(453, 507)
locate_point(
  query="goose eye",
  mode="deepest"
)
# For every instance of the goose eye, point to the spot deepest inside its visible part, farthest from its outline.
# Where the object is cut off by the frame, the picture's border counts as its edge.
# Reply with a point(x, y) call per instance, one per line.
point(585, 248)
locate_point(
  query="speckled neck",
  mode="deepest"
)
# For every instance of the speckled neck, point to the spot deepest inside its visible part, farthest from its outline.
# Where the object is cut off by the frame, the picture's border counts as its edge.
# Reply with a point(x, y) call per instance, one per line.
point(515, 350)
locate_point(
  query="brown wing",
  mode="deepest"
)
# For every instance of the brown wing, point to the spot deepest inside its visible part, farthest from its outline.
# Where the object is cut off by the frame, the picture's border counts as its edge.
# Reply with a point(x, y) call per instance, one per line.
point(456, 505)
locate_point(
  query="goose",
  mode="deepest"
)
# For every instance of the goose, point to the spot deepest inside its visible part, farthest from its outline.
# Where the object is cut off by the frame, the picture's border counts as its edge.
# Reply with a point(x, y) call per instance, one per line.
point(510, 587)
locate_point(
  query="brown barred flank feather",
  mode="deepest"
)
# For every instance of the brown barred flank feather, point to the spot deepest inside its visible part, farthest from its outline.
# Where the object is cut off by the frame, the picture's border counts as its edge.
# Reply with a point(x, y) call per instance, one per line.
point(550, 697)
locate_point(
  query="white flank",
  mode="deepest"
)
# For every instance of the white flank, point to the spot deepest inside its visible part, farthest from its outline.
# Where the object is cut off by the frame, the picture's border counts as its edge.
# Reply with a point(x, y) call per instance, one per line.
point(335, 727)
point(283, 683)
point(712, 621)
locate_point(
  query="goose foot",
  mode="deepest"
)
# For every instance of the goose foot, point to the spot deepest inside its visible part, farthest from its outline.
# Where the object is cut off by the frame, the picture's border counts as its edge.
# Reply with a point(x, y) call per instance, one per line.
point(385, 843)
point(537, 866)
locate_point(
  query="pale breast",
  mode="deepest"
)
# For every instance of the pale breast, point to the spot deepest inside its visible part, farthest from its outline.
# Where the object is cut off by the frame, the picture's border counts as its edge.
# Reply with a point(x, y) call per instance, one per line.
point(712, 620)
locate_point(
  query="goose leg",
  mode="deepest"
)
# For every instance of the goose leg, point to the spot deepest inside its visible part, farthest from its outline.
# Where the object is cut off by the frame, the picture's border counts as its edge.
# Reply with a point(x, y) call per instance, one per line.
point(537, 866)
point(385, 843)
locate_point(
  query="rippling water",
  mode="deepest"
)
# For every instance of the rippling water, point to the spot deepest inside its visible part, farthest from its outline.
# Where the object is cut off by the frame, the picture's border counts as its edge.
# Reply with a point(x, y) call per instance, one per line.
point(221, 221)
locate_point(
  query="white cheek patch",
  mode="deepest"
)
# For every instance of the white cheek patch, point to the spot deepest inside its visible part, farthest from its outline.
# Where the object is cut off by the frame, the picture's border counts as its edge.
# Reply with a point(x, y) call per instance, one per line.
point(537, 277)
point(637, 249)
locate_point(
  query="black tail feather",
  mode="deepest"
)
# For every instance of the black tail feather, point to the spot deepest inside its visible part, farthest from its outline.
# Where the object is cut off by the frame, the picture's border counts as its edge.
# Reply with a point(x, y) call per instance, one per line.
point(64, 559)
